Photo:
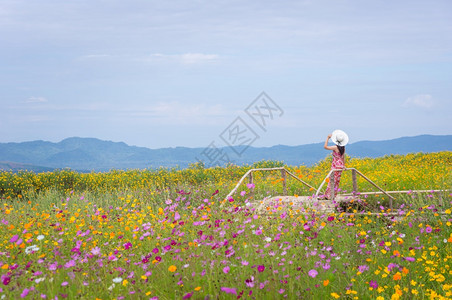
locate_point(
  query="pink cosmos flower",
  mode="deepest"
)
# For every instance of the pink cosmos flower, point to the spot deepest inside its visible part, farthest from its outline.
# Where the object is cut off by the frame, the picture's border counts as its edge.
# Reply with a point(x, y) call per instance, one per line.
point(313, 273)
point(95, 251)
point(70, 264)
point(24, 293)
point(363, 268)
point(229, 290)
point(226, 269)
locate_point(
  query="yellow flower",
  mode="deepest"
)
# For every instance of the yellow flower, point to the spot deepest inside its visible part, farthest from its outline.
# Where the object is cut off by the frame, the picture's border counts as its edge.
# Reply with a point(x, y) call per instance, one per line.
point(335, 295)
point(125, 282)
point(395, 296)
point(172, 268)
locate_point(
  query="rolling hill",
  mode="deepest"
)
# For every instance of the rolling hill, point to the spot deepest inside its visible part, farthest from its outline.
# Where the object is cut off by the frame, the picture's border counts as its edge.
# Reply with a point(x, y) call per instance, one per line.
point(90, 154)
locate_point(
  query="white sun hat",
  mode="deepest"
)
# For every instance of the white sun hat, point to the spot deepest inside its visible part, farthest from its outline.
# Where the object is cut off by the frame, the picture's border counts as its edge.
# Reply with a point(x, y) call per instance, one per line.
point(339, 137)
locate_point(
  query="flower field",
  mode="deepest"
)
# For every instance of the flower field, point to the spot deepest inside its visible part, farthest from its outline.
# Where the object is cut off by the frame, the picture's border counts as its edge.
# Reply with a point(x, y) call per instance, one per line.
point(169, 234)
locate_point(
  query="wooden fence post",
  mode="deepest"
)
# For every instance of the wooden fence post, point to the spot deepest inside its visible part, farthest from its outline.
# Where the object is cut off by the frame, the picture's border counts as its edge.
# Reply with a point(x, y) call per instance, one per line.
point(283, 175)
point(355, 183)
point(332, 187)
point(251, 181)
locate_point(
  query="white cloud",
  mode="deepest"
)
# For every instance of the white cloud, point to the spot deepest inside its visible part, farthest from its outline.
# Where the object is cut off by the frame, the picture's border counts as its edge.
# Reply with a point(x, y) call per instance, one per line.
point(36, 100)
point(96, 56)
point(185, 58)
point(422, 101)
point(176, 112)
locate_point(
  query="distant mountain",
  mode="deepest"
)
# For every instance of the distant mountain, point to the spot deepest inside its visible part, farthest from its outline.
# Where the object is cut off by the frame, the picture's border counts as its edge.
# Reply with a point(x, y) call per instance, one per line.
point(11, 166)
point(90, 154)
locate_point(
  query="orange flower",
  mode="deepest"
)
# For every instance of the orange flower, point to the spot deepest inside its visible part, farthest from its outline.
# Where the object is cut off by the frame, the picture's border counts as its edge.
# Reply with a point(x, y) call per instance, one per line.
point(172, 268)
point(326, 282)
point(397, 276)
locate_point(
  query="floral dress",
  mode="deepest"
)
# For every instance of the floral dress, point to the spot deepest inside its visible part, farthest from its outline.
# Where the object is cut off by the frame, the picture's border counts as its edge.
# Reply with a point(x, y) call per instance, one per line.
point(338, 163)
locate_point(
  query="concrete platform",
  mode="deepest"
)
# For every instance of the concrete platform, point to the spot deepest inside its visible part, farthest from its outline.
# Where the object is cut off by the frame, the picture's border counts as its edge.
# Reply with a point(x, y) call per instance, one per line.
point(300, 203)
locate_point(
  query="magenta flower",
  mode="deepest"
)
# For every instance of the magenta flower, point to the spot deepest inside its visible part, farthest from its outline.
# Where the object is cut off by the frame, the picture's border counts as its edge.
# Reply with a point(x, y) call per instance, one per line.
point(428, 229)
point(112, 258)
point(313, 273)
point(6, 280)
point(14, 239)
point(229, 290)
point(155, 250)
point(24, 293)
point(261, 268)
point(250, 282)
point(127, 245)
point(373, 284)
point(188, 295)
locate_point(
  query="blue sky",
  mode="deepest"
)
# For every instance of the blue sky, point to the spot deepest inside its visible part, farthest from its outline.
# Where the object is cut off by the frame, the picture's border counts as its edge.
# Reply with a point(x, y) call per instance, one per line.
point(178, 73)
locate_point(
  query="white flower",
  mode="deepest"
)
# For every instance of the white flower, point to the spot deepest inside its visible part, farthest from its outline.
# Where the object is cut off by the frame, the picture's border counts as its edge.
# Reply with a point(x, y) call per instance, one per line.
point(117, 280)
point(31, 249)
point(268, 239)
point(186, 266)
point(111, 287)
point(40, 237)
point(38, 280)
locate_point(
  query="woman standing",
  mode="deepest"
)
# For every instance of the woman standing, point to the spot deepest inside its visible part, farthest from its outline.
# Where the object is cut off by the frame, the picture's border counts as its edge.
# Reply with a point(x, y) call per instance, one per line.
point(340, 139)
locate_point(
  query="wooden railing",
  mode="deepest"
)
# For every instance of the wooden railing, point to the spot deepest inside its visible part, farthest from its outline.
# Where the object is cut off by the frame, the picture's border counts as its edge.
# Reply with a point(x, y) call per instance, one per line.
point(330, 175)
point(284, 173)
